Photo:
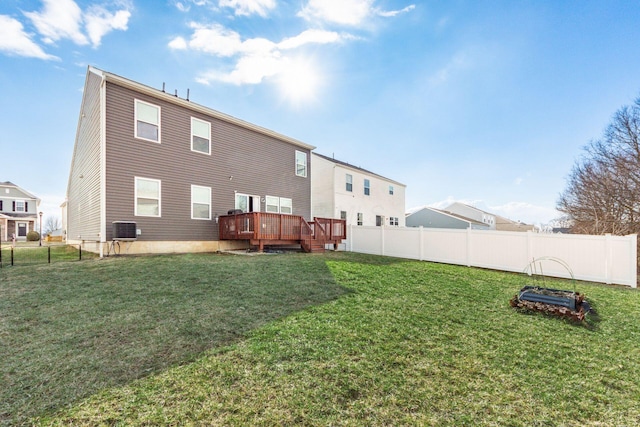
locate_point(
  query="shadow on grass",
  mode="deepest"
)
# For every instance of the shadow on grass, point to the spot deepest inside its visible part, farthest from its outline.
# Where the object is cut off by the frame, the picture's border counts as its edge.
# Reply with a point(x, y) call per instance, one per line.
point(70, 329)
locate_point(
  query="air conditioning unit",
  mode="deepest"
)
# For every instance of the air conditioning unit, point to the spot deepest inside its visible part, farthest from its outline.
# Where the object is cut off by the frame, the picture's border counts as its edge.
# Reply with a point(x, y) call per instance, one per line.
point(124, 230)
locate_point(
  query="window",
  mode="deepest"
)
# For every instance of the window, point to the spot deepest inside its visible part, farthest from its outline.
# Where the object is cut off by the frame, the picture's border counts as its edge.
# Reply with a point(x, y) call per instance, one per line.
point(343, 215)
point(279, 204)
point(349, 182)
point(200, 136)
point(147, 121)
point(301, 164)
point(20, 206)
point(379, 221)
point(393, 220)
point(360, 219)
point(200, 202)
point(273, 204)
point(247, 203)
point(147, 195)
point(367, 187)
point(391, 190)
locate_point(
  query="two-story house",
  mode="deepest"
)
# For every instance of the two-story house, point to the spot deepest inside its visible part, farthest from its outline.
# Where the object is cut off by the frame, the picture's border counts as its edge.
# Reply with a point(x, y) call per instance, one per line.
point(341, 190)
point(473, 213)
point(170, 167)
point(18, 212)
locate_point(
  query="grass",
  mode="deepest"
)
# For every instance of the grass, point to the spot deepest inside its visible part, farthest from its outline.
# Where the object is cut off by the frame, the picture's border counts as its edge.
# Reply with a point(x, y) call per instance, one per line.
point(411, 343)
point(30, 253)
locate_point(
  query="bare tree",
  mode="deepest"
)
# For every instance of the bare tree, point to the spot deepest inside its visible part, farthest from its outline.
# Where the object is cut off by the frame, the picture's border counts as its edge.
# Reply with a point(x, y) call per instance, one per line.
point(51, 224)
point(603, 191)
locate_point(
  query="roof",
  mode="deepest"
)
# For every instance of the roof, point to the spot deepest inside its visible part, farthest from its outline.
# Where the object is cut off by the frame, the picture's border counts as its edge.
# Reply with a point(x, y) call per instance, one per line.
point(25, 192)
point(139, 87)
point(357, 168)
point(451, 214)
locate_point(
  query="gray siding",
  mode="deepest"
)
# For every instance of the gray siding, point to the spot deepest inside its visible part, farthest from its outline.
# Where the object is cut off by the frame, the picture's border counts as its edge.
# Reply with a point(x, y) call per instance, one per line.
point(433, 219)
point(83, 191)
point(241, 160)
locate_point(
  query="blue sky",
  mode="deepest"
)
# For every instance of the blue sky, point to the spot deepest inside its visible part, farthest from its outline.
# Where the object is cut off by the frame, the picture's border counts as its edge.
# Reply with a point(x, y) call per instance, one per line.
point(485, 102)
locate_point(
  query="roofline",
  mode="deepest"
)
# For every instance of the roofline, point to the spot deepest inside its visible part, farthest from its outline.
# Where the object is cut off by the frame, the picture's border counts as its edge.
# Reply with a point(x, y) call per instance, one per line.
point(139, 87)
point(11, 184)
point(356, 168)
point(452, 215)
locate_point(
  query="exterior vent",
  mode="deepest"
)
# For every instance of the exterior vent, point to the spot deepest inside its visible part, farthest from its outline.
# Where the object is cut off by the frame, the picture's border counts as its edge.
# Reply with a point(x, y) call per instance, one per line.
point(124, 230)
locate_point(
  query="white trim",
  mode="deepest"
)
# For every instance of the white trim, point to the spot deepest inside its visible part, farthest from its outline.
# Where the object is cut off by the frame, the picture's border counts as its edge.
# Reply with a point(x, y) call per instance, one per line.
point(306, 164)
point(139, 87)
point(135, 120)
point(192, 201)
point(135, 196)
point(208, 152)
point(103, 161)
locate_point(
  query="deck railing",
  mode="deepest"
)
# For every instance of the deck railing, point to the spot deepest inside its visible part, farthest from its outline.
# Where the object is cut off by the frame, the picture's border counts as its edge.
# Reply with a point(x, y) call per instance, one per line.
point(271, 226)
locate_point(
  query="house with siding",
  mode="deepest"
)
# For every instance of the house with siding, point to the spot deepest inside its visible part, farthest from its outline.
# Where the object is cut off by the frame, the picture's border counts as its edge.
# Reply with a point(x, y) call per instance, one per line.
point(495, 222)
point(18, 212)
point(348, 192)
point(170, 168)
point(435, 218)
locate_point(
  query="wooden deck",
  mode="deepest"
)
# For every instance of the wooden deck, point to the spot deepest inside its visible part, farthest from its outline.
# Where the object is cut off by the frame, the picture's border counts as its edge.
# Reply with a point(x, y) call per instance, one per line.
point(262, 228)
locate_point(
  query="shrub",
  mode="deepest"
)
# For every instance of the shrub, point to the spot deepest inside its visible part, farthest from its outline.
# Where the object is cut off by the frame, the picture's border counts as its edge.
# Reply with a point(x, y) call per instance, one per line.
point(33, 236)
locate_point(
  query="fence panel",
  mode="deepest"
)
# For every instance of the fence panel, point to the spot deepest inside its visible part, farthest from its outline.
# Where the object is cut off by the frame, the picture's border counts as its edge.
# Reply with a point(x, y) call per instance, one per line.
point(37, 255)
point(606, 259)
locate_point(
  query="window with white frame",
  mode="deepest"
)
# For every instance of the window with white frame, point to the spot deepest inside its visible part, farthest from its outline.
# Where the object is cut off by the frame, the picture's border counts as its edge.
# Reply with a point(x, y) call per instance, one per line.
point(301, 164)
point(349, 182)
point(367, 187)
point(147, 118)
point(200, 136)
point(343, 215)
point(147, 197)
point(279, 204)
point(20, 206)
point(286, 205)
point(272, 204)
point(360, 219)
point(200, 202)
point(391, 190)
point(393, 220)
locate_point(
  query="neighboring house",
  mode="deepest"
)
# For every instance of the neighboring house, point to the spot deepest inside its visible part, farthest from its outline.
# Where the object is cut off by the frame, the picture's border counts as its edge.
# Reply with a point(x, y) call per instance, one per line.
point(343, 191)
point(18, 212)
point(505, 224)
point(173, 167)
point(473, 213)
point(435, 218)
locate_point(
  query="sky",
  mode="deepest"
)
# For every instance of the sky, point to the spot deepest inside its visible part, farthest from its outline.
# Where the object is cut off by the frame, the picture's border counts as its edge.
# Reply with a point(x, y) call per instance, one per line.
point(485, 102)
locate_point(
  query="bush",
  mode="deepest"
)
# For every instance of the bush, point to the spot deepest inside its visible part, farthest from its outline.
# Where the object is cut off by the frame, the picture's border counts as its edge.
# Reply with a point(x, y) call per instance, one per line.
point(33, 236)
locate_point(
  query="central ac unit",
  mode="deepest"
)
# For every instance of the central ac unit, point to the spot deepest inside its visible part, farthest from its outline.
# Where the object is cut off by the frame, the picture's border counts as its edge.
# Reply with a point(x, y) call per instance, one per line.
point(124, 230)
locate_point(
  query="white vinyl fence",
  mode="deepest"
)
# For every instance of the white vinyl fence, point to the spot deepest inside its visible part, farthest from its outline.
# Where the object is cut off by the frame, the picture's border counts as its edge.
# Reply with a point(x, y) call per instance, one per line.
point(605, 259)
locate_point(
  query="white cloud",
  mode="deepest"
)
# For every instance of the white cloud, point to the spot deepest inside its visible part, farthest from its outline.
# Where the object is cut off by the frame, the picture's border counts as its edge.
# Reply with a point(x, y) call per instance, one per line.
point(60, 19)
point(254, 59)
point(249, 7)
point(100, 21)
point(343, 12)
point(14, 40)
point(346, 12)
point(311, 36)
point(64, 19)
point(392, 13)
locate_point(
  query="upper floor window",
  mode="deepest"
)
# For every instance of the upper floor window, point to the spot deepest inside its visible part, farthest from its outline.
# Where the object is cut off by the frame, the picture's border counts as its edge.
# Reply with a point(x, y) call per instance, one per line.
point(200, 202)
point(147, 197)
point(391, 190)
point(301, 164)
point(200, 136)
point(20, 206)
point(367, 187)
point(147, 121)
point(349, 181)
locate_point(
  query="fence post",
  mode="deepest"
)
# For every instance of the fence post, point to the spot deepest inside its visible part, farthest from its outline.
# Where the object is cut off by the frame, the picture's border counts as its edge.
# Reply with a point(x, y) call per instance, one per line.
point(382, 243)
point(420, 243)
point(608, 264)
point(49, 254)
point(79, 252)
point(12, 255)
point(468, 247)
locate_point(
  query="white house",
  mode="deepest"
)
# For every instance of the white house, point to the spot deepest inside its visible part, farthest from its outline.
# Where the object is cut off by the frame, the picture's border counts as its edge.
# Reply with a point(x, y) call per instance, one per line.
point(340, 190)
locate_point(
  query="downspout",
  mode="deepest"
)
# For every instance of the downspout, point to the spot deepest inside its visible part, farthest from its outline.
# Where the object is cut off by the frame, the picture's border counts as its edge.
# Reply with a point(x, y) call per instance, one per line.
point(103, 163)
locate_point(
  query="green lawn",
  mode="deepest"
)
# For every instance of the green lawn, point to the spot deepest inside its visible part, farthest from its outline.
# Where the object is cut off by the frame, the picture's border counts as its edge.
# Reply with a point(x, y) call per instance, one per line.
point(335, 339)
